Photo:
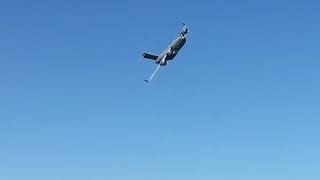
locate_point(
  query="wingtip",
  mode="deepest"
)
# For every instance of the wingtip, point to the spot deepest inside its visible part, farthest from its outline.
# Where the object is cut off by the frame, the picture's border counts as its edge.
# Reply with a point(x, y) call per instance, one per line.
point(146, 81)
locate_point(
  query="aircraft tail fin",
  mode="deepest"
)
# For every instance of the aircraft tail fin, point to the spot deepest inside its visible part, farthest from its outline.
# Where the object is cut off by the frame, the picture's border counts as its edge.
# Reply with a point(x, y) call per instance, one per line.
point(150, 56)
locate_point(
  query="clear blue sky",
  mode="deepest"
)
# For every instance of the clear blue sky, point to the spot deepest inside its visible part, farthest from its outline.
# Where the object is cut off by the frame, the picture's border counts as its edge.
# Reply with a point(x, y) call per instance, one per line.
point(241, 100)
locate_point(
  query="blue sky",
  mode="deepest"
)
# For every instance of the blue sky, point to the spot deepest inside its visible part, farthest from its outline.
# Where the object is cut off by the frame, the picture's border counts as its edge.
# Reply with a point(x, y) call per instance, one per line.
point(240, 101)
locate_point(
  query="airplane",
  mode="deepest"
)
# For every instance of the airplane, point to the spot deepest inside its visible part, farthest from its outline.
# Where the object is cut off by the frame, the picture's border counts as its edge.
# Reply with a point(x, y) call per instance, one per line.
point(169, 53)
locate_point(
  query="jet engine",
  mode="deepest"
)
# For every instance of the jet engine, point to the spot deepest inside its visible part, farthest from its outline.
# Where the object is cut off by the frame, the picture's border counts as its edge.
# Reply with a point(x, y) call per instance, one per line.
point(163, 63)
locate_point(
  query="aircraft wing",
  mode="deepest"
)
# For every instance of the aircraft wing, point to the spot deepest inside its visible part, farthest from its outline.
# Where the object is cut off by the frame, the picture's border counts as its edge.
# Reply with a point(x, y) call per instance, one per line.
point(150, 56)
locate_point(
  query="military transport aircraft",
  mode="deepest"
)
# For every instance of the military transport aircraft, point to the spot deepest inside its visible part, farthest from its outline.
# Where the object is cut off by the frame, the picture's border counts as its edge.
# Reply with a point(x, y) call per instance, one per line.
point(169, 53)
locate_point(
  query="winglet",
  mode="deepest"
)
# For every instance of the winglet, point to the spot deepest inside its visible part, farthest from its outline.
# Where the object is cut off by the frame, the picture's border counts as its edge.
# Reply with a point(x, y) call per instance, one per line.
point(146, 81)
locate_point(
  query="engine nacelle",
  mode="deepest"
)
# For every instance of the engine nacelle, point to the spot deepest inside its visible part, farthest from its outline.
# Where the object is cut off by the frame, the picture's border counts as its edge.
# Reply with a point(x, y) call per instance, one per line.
point(163, 63)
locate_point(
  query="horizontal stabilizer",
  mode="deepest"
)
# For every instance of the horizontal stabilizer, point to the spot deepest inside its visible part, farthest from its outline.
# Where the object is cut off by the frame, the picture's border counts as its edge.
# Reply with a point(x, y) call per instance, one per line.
point(150, 56)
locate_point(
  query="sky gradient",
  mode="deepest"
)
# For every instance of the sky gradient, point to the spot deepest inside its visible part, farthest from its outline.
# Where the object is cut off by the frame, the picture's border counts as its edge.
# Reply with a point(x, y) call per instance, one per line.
point(240, 101)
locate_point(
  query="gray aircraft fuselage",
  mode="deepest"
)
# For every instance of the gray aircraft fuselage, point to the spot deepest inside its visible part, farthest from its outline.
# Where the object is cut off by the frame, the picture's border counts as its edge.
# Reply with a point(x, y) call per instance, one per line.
point(172, 50)
point(169, 53)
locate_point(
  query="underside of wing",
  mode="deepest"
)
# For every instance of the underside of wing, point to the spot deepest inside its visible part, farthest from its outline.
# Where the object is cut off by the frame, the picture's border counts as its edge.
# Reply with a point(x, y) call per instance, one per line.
point(150, 56)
